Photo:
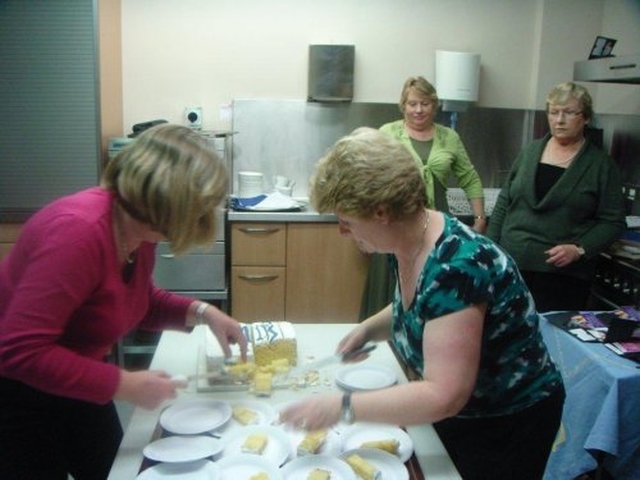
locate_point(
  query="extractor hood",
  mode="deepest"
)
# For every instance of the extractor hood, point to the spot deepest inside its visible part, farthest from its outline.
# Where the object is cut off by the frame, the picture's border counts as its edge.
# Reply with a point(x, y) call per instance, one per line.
point(624, 69)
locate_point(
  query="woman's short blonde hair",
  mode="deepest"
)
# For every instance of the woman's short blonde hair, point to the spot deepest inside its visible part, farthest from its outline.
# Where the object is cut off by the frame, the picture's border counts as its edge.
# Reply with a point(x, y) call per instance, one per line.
point(563, 92)
point(364, 170)
point(423, 87)
point(170, 179)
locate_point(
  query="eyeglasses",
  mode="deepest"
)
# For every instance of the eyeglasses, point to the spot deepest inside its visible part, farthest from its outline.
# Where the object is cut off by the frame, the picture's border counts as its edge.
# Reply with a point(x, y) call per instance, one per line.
point(568, 114)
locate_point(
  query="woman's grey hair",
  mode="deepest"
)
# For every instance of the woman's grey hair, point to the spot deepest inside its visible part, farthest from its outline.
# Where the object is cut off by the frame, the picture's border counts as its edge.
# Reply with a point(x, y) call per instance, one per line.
point(563, 92)
point(363, 170)
point(171, 179)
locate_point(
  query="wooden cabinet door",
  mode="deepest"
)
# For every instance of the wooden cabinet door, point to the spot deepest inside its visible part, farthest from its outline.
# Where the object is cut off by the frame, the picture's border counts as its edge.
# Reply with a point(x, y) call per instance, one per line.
point(325, 274)
point(258, 293)
point(258, 244)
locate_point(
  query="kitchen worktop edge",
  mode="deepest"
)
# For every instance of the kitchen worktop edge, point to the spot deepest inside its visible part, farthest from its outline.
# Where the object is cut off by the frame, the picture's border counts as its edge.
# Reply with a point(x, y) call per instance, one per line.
point(302, 216)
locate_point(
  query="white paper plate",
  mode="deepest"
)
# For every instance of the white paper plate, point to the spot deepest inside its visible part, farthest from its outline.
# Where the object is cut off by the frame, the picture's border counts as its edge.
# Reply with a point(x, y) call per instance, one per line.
point(357, 433)
point(245, 465)
point(195, 415)
point(390, 466)
point(301, 467)
point(365, 377)
point(182, 449)
point(277, 451)
point(198, 470)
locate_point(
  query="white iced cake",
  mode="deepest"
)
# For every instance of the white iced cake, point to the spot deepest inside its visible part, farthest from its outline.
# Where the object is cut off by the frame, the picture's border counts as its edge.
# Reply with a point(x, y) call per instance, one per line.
point(269, 344)
point(274, 341)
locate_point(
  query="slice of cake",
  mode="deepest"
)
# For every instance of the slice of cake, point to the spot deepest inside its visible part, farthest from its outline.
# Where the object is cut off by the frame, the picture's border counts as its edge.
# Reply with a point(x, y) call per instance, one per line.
point(243, 415)
point(319, 474)
point(312, 442)
point(255, 443)
point(362, 468)
point(388, 445)
point(259, 476)
point(273, 341)
point(262, 383)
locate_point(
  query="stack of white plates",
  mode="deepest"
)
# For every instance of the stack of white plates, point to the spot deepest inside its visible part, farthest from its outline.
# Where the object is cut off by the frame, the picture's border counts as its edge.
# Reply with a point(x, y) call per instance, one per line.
point(249, 184)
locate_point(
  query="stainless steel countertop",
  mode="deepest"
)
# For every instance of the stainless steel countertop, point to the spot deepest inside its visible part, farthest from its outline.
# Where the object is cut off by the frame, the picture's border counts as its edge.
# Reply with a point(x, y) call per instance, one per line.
point(305, 215)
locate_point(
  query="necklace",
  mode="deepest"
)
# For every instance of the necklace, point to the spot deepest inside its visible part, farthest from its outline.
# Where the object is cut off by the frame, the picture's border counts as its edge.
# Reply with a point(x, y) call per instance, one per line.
point(564, 159)
point(425, 227)
point(129, 257)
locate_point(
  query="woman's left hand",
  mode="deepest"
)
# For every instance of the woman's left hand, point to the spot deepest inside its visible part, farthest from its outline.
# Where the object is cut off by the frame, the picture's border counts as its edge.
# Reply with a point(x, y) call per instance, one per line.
point(226, 329)
point(563, 255)
point(480, 225)
point(313, 413)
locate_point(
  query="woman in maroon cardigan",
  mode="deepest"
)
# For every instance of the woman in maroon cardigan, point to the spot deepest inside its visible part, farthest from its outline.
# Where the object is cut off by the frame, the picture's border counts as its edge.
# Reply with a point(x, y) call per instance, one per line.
point(78, 279)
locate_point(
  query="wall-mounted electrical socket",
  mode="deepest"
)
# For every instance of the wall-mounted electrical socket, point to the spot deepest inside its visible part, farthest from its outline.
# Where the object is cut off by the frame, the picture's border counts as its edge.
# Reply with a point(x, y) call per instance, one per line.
point(193, 117)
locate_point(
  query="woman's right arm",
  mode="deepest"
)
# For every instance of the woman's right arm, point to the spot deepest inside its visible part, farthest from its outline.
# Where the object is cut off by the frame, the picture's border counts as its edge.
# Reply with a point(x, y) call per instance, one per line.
point(146, 388)
point(376, 328)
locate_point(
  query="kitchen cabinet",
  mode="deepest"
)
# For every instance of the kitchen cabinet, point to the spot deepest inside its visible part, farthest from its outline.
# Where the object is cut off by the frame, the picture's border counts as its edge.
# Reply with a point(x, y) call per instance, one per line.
point(258, 271)
point(325, 274)
point(295, 271)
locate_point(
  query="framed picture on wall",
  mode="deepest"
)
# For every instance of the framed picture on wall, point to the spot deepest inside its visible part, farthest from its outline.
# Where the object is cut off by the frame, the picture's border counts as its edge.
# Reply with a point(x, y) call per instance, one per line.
point(602, 47)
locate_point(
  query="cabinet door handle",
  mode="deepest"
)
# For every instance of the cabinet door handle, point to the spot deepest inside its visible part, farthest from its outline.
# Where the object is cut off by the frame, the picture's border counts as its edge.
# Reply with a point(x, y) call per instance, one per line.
point(259, 229)
point(258, 278)
point(167, 255)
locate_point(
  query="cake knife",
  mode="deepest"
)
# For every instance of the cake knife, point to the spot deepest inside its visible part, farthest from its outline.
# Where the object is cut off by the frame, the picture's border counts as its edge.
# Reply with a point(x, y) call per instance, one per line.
point(331, 359)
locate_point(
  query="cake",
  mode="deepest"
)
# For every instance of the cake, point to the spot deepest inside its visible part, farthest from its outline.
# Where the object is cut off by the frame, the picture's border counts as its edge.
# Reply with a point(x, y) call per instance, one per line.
point(362, 468)
point(391, 445)
point(274, 341)
point(262, 383)
point(244, 415)
point(319, 474)
point(312, 442)
point(259, 476)
point(255, 443)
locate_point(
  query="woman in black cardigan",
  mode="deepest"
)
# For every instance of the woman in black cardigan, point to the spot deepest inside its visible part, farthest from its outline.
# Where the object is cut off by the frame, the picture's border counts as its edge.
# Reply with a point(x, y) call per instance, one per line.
point(561, 205)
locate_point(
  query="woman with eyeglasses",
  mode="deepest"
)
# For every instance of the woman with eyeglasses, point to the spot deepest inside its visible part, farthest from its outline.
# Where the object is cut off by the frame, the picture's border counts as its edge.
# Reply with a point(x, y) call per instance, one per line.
point(78, 279)
point(560, 206)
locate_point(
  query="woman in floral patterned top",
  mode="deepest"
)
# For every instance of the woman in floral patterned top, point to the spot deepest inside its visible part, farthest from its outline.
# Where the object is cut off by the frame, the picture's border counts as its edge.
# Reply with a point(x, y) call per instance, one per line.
point(462, 320)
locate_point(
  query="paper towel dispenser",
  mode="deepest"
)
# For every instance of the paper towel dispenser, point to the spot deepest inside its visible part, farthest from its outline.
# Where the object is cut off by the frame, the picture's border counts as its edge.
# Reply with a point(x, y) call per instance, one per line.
point(623, 69)
point(331, 73)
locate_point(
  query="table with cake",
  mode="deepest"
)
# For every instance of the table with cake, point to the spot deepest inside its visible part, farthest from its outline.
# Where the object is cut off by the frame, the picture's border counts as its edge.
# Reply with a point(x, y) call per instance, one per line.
point(224, 425)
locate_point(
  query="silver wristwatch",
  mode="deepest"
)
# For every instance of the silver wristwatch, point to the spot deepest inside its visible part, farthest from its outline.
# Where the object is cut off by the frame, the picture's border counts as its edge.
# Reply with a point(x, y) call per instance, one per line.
point(346, 414)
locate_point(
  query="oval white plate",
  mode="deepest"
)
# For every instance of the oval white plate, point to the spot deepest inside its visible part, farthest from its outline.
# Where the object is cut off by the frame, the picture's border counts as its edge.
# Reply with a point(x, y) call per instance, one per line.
point(198, 470)
point(357, 433)
point(277, 451)
point(301, 467)
point(182, 449)
point(245, 465)
point(390, 466)
point(365, 377)
point(195, 415)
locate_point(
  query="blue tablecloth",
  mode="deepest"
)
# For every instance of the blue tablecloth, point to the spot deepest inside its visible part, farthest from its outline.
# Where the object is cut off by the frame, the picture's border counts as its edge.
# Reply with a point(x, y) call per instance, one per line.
point(601, 415)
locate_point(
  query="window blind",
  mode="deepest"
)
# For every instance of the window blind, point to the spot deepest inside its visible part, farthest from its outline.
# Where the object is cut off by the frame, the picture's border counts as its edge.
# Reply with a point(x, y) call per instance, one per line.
point(49, 102)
